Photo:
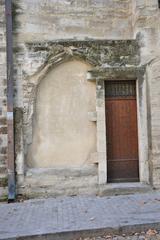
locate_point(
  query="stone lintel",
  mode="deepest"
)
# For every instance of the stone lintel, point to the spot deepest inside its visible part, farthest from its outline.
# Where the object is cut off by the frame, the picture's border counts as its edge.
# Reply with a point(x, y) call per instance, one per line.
point(114, 73)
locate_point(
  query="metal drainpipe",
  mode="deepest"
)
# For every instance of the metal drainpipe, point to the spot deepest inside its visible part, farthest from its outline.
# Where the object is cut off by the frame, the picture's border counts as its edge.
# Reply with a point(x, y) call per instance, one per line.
point(10, 117)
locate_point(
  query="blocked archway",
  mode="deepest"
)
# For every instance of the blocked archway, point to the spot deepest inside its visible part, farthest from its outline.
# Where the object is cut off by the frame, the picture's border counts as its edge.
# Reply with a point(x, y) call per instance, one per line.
point(63, 136)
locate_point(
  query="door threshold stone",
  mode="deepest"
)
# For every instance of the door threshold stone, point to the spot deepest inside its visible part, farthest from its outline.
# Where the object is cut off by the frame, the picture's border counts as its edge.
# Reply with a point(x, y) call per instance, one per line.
point(124, 188)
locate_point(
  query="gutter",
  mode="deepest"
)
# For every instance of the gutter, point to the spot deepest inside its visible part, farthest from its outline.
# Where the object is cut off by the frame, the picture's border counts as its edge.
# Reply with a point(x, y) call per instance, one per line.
point(10, 115)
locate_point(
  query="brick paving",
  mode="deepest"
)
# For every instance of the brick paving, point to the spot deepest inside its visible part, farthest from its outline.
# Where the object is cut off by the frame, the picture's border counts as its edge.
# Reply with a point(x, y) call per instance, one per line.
point(80, 213)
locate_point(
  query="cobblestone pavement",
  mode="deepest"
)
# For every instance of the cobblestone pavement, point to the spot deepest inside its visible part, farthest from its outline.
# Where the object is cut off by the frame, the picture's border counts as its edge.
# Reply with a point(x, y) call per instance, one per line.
point(70, 214)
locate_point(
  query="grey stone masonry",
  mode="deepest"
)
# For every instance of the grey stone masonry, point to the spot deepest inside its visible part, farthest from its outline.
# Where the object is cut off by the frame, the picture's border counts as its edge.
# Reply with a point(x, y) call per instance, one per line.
point(3, 98)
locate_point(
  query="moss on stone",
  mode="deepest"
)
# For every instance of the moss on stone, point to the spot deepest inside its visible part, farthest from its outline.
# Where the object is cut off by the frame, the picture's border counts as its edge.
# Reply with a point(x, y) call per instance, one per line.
point(114, 73)
point(18, 119)
point(96, 52)
point(16, 9)
point(3, 182)
point(3, 198)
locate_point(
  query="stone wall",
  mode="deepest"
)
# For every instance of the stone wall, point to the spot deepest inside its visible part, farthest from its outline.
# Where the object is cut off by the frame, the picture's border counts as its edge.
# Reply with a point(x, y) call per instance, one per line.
point(3, 101)
point(40, 25)
point(146, 19)
point(46, 20)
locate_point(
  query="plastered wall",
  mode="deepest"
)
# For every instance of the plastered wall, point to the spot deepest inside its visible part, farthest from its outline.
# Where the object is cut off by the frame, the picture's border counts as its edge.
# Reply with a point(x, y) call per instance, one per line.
point(63, 136)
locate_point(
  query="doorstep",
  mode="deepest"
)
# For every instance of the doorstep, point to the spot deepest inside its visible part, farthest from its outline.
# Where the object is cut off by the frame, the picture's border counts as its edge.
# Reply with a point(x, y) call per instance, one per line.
point(112, 189)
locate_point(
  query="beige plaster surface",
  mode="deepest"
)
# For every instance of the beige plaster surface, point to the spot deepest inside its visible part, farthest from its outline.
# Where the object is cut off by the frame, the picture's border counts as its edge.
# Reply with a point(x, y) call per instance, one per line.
point(63, 136)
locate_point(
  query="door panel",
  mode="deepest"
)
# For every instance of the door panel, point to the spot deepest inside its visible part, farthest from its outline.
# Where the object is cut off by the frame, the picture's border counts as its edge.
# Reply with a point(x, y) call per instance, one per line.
point(122, 139)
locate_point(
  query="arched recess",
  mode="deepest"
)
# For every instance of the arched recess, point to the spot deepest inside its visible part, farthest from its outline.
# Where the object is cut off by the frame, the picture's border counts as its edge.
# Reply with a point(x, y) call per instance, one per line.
point(62, 135)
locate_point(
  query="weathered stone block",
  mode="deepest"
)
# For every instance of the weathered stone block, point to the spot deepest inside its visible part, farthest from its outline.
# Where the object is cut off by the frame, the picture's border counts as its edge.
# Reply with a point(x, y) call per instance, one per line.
point(3, 121)
point(3, 181)
point(3, 130)
point(3, 150)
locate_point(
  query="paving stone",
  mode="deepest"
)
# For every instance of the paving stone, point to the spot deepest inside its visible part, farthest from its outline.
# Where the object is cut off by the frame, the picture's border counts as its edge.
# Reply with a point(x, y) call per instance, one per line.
point(80, 213)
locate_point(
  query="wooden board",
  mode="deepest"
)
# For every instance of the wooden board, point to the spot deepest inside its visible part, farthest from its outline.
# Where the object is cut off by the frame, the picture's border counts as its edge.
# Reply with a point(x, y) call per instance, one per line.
point(122, 139)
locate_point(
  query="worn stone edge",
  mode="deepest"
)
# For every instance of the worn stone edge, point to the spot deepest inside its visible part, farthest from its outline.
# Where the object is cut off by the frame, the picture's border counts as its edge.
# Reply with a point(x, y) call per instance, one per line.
point(69, 235)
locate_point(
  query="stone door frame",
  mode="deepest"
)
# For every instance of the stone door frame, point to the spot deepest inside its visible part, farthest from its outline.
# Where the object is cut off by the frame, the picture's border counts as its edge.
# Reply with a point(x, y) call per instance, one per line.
point(121, 73)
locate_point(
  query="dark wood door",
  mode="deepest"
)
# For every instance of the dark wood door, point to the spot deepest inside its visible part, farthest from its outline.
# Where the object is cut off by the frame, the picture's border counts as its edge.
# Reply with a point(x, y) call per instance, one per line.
point(121, 131)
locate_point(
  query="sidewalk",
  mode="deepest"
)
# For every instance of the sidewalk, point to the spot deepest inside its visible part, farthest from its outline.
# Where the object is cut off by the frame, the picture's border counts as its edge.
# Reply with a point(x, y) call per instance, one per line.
point(70, 217)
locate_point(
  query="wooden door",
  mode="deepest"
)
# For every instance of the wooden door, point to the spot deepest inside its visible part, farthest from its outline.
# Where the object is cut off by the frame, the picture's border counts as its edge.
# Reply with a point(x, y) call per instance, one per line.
point(121, 131)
